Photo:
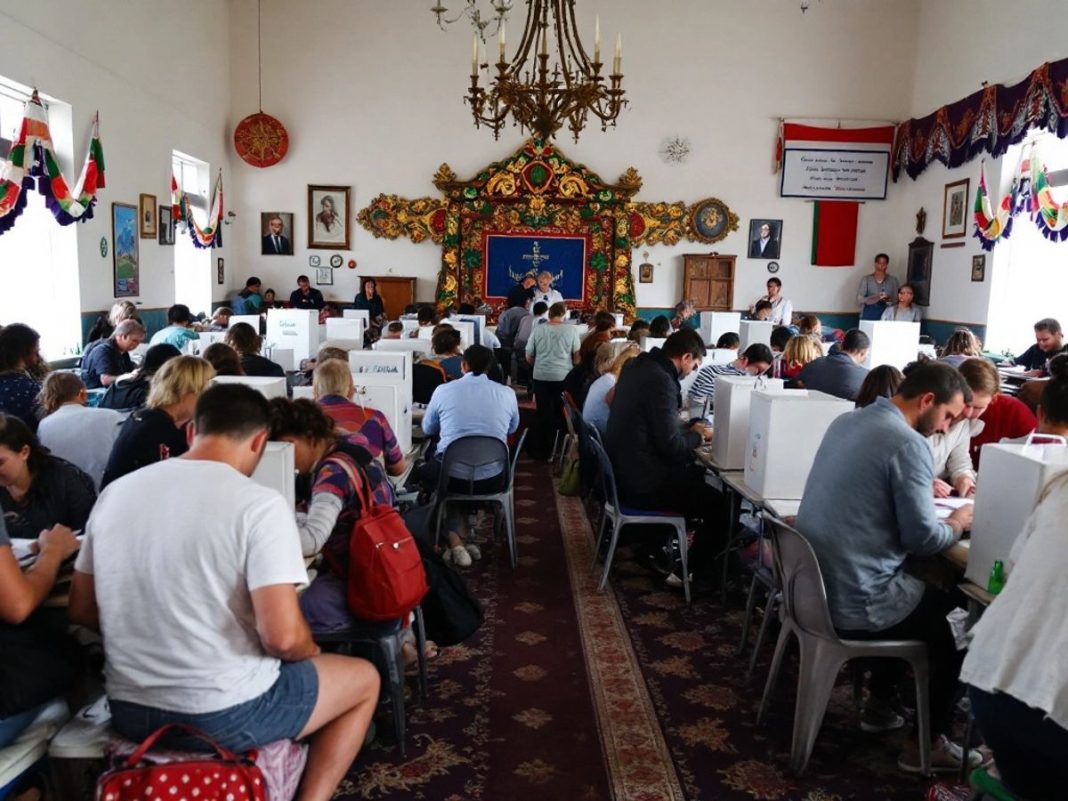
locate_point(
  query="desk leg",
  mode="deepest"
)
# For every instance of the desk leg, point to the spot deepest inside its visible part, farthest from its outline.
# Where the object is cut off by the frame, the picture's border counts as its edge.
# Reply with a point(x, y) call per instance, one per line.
point(734, 504)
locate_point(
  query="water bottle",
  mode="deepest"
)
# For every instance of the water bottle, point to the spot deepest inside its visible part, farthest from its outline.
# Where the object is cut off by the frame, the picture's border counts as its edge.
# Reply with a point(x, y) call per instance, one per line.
point(996, 582)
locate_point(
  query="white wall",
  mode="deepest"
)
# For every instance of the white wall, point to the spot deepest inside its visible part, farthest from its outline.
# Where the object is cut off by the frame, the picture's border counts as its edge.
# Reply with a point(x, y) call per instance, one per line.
point(372, 96)
point(962, 43)
point(158, 73)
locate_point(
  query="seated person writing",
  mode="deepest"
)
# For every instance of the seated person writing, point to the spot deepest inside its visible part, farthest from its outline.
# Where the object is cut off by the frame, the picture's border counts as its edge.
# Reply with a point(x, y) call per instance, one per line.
point(842, 373)
point(131, 391)
point(949, 451)
point(223, 358)
point(1052, 404)
point(446, 346)
point(471, 406)
point(638, 329)
point(866, 510)
point(38, 663)
point(755, 360)
point(106, 360)
point(39, 490)
point(73, 431)
point(598, 400)
point(157, 432)
point(799, 351)
point(179, 328)
point(728, 341)
point(220, 321)
point(1015, 664)
point(659, 327)
point(340, 475)
point(334, 391)
point(217, 640)
point(881, 382)
point(1049, 341)
point(1005, 418)
point(248, 343)
point(21, 371)
point(961, 345)
point(394, 330)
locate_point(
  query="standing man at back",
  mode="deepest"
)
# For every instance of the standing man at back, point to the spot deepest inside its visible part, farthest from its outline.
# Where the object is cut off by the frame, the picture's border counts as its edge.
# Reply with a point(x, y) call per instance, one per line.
point(866, 510)
point(195, 596)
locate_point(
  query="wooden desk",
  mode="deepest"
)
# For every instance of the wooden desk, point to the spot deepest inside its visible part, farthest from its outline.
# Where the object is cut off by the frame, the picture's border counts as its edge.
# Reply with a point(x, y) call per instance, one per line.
point(957, 554)
point(782, 508)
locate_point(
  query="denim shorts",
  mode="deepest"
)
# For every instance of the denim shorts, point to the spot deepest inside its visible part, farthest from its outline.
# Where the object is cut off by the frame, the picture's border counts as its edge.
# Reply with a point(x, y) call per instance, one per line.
point(281, 713)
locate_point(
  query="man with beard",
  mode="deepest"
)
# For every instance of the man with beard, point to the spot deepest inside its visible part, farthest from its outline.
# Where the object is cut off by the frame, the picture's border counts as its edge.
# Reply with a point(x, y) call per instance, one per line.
point(865, 511)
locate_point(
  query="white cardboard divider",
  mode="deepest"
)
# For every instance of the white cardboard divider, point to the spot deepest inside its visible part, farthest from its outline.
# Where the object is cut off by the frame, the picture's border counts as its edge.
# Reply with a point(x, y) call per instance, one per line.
point(277, 470)
point(345, 328)
point(250, 319)
point(619, 320)
point(479, 321)
point(785, 431)
point(384, 382)
point(1011, 478)
point(283, 357)
point(648, 343)
point(713, 325)
point(753, 331)
point(467, 332)
point(270, 386)
point(731, 422)
point(410, 324)
point(297, 329)
point(892, 342)
point(357, 314)
point(416, 346)
point(307, 392)
point(194, 347)
point(720, 356)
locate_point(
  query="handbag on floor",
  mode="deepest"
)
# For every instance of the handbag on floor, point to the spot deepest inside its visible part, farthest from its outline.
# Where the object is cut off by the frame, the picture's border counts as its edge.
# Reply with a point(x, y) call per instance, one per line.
point(222, 777)
point(451, 613)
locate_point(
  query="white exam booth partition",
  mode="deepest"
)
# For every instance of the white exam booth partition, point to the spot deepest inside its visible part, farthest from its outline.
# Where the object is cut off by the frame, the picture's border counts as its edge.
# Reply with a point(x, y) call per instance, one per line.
point(892, 342)
point(713, 325)
point(731, 416)
point(269, 386)
point(357, 314)
point(248, 319)
point(713, 356)
point(294, 329)
point(648, 343)
point(384, 382)
point(283, 357)
point(750, 332)
point(345, 328)
point(1011, 479)
point(465, 327)
point(785, 431)
point(278, 471)
point(417, 346)
point(194, 347)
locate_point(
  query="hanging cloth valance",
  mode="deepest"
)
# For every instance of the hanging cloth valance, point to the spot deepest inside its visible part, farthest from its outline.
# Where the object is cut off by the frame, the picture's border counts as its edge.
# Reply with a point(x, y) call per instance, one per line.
point(33, 159)
point(988, 121)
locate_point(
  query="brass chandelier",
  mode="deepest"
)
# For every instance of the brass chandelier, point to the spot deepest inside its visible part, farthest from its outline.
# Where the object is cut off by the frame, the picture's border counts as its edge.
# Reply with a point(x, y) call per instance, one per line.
point(541, 98)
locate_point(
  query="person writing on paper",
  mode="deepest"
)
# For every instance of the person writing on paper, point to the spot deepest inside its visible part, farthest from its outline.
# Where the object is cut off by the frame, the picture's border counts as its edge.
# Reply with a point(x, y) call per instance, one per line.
point(1049, 341)
point(1015, 664)
point(1005, 417)
point(107, 360)
point(200, 620)
point(865, 511)
point(876, 290)
point(754, 361)
point(904, 311)
point(949, 451)
point(1052, 404)
point(46, 663)
point(782, 310)
point(961, 346)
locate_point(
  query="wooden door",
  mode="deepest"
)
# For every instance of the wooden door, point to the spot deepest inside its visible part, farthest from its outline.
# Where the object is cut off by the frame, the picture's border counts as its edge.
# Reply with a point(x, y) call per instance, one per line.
point(708, 280)
point(396, 294)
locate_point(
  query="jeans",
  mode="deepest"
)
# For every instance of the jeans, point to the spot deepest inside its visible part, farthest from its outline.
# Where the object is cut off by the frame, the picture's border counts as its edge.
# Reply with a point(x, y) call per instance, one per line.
point(1028, 747)
point(11, 727)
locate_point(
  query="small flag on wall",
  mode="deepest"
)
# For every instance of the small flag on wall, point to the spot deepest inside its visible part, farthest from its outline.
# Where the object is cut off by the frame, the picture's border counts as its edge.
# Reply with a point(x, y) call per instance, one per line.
point(834, 233)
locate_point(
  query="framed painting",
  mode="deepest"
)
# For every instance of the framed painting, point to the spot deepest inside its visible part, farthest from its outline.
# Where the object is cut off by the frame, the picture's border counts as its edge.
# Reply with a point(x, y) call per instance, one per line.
point(124, 254)
point(166, 226)
point(979, 268)
point(276, 230)
point(147, 216)
point(765, 238)
point(324, 276)
point(645, 273)
point(328, 217)
point(220, 268)
point(954, 210)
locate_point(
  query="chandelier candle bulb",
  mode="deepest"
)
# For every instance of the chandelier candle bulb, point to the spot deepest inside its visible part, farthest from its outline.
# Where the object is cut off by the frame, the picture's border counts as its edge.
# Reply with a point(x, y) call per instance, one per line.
point(502, 41)
point(597, 39)
point(617, 62)
point(474, 55)
point(545, 40)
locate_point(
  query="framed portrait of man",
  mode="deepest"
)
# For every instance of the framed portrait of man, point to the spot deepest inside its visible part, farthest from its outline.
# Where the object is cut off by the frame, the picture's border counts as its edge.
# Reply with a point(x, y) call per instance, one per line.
point(765, 238)
point(328, 217)
point(276, 230)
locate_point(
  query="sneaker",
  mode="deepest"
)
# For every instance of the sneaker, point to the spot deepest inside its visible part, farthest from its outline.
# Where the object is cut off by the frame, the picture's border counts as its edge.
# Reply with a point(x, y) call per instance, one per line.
point(946, 757)
point(675, 580)
point(460, 556)
point(474, 551)
point(878, 716)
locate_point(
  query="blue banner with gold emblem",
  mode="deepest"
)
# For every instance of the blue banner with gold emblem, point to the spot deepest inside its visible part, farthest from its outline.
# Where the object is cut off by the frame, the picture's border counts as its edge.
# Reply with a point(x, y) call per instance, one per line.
point(509, 257)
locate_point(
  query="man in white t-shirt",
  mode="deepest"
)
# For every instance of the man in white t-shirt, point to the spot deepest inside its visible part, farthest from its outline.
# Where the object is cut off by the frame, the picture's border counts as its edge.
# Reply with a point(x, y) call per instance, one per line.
point(194, 591)
point(544, 292)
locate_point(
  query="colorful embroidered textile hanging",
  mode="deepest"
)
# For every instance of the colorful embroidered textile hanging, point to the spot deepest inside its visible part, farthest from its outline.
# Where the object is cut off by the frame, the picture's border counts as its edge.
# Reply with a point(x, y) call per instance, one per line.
point(209, 236)
point(990, 228)
point(33, 158)
point(1050, 217)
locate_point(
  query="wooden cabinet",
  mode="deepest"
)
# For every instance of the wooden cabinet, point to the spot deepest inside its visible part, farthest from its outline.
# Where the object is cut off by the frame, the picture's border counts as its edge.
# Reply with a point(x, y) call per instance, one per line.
point(708, 280)
point(396, 293)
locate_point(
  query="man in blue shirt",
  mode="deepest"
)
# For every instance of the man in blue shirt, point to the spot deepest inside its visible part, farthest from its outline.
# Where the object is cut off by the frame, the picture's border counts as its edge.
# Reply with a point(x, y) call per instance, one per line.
point(865, 511)
point(841, 373)
point(107, 359)
point(472, 406)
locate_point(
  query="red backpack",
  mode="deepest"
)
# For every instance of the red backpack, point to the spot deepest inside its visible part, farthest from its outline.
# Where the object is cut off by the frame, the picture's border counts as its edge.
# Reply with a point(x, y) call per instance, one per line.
point(385, 579)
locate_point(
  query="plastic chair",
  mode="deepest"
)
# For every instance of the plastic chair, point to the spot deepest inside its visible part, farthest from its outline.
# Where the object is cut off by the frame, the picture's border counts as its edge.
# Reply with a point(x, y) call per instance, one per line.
point(570, 411)
point(766, 578)
point(620, 516)
point(465, 456)
point(387, 639)
point(805, 615)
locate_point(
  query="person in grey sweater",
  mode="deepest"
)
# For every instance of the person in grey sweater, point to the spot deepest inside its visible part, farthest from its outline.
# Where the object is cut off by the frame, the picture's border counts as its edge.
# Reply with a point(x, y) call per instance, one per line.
point(865, 511)
point(877, 291)
point(840, 373)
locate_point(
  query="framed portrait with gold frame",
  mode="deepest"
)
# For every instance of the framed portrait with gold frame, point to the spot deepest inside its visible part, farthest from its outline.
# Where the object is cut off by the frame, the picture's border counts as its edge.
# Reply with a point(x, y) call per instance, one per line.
point(711, 220)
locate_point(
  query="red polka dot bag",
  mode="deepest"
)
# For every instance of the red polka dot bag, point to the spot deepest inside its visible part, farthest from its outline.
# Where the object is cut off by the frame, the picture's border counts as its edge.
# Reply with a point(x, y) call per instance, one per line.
point(222, 777)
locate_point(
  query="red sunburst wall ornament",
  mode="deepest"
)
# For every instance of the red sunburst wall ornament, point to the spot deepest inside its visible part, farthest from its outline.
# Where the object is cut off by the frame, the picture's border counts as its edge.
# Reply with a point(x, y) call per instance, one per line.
point(261, 140)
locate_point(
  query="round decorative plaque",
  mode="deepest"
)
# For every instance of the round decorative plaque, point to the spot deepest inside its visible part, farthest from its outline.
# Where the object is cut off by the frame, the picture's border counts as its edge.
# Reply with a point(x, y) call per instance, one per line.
point(261, 140)
point(336, 260)
point(773, 267)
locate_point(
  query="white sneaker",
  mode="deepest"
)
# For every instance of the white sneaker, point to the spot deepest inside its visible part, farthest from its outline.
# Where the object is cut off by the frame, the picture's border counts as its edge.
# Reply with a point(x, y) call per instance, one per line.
point(946, 757)
point(460, 556)
point(474, 551)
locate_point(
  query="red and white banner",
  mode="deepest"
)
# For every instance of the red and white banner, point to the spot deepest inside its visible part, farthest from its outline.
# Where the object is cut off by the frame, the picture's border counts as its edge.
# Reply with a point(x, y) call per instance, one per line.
point(835, 163)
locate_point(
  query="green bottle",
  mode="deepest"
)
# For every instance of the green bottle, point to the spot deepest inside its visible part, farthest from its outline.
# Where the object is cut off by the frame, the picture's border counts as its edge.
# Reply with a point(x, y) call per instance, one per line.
point(996, 582)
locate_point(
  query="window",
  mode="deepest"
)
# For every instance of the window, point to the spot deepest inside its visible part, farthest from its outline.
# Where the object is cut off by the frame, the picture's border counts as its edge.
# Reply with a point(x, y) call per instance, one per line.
point(39, 257)
point(192, 265)
point(1029, 279)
